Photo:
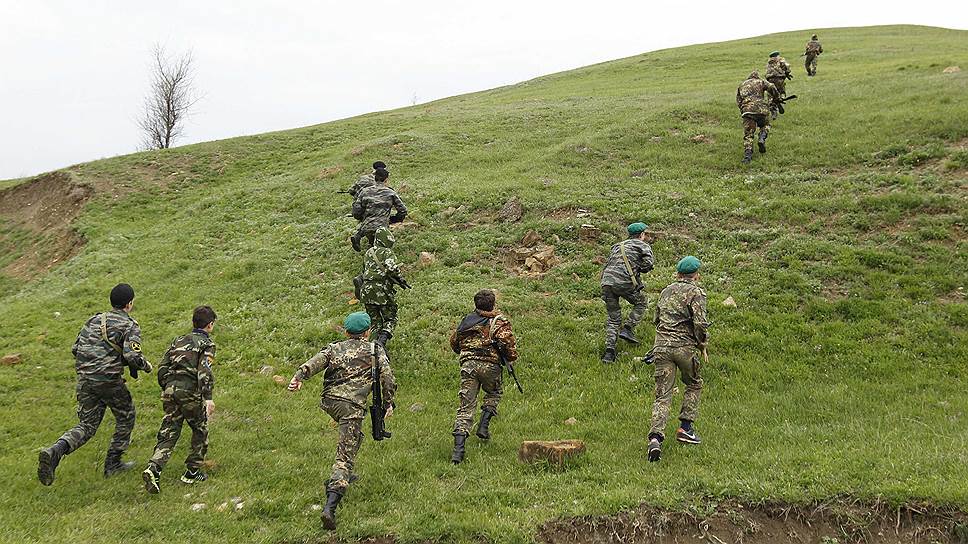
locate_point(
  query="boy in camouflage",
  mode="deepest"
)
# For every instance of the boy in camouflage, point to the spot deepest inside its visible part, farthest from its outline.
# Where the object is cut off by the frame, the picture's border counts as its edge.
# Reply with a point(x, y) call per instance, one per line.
point(186, 380)
point(813, 51)
point(777, 73)
point(108, 342)
point(348, 380)
point(366, 180)
point(482, 339)
point(621, 279)
point(381, 272)
point(372, 206)
point(755, 111)
point(680, 336)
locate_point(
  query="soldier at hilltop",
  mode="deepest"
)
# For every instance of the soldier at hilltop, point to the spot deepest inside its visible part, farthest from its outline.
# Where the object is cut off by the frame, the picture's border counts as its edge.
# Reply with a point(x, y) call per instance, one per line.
point(813, 50)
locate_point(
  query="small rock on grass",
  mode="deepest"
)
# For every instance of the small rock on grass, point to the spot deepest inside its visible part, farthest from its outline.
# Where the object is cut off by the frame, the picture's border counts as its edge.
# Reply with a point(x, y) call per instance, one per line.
point(11, 359)
point(266, 370)
point(199, 506)
point(417, 407)
point(951, 70)
point(729, 302)
point(280, 380)
point(426, 258)
point(571, 421)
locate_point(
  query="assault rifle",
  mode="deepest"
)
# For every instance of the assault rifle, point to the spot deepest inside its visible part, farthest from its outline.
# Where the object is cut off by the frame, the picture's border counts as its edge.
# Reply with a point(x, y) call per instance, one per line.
point(507, 365)
point(401, 282)
point(343, 193)
point(378, 410)
point(780, 101)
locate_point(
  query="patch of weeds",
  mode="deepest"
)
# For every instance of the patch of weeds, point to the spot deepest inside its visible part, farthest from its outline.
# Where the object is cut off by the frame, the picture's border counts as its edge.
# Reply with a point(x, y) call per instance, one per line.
point(922, 154)
point(957, 161)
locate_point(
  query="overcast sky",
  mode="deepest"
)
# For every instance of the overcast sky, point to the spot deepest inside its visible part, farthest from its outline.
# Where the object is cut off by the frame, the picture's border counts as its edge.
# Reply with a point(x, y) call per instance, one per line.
point(74, 74)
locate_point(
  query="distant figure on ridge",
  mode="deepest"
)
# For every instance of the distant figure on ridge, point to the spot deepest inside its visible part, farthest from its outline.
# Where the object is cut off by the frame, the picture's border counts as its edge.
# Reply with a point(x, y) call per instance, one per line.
point(680, 337)
point(813, 51)
point(372, 208)
point(620, 279)
point(777, 73)
point(485, 342)
point(755, 111)
point(108, 342)
point(186, 380)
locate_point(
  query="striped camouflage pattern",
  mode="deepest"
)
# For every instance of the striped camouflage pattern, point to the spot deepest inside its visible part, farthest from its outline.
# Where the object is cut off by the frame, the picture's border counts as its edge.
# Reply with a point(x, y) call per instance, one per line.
point(94, 397)
point(680, 316)
point(750, 95)
point(347, 371)
point(639, 253)
point(187, 365)
point(366, 180)
point(373, 205)
point(96, 360)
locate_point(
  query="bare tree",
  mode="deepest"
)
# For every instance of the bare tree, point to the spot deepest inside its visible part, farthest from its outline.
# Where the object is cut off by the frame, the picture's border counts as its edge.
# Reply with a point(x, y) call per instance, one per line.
point(170, 97)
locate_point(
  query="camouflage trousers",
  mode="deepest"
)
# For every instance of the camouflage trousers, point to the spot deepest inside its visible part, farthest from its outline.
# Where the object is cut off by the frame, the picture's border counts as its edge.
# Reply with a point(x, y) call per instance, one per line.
point(780, 84)
point(349, 417)
point(810, 63)
point(93, 399)
point(667, 360)
point(474, 376)
point(383, 317)
point(611, 296)
point(750, 123)
point(181, 407)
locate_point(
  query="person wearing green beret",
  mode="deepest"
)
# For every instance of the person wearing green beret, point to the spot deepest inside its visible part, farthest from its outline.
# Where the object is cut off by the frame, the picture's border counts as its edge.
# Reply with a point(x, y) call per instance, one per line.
point(621, 279)
point(777, 72)
point(347, 382)
point(681, 335)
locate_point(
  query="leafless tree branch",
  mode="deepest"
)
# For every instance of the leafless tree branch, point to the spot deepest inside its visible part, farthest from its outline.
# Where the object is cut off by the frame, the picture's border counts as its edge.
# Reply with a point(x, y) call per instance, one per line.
point(170, 97)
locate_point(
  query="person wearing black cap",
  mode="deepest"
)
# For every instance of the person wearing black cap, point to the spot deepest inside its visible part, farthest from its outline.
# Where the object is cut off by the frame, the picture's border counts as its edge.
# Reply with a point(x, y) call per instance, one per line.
point(108, 342)
point(366, 180)
point(372, 208)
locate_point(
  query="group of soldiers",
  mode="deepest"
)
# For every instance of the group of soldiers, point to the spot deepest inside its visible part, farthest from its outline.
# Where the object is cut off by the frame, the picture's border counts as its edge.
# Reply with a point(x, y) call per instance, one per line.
point(760, 100)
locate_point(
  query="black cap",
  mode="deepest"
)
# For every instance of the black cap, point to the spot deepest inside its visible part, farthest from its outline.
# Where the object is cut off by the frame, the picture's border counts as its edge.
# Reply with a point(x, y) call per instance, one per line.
point(121, 295)
point(379, 164)
point(381, 174)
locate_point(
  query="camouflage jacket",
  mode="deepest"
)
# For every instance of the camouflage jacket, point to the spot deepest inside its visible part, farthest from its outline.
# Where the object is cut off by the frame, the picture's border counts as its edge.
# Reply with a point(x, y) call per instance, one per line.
point(348, 371)
point(777, 67)
point(188, 364)
point(749, 95)
point(814, 48)
point(616, 274)
point(380, 268)
point(680, 316)
point(366, 180)
point(480, 335)
point(372, 207)
point(96, 359)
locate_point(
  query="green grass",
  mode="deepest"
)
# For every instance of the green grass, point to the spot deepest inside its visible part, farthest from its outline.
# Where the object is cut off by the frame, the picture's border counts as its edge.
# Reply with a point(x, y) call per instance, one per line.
point(840, 372)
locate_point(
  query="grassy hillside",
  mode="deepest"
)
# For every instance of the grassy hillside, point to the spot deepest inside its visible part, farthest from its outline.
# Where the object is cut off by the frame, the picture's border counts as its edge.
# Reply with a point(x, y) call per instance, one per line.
point(840, 372)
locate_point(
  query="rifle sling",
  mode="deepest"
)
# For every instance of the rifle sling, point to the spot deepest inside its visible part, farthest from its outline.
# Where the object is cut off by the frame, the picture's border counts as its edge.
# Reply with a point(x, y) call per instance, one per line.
point(628, 265)
point(104, 335)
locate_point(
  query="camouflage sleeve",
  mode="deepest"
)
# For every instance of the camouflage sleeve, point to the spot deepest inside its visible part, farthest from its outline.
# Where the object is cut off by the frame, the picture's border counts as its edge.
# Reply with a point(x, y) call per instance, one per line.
point(359, 209)
point(206, 379)
point(315, 365)
point(77, 341)
point(646, 260)
point(388, 384)
point(700, 321)
point(819, 48)
point(771, 89)
point(401, 209)
point(655, 319)
point(454, 345)
point(506, 342)
point(131, 349)
point(391, 264)
point(739, 98)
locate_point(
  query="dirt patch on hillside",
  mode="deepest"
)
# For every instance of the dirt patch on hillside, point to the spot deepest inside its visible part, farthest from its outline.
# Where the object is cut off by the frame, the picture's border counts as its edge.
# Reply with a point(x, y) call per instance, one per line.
point(837, 522)
point(45, 207)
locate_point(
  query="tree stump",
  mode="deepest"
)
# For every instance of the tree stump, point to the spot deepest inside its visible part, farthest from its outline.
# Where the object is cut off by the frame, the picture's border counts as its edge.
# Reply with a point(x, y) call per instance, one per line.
point(553, 451)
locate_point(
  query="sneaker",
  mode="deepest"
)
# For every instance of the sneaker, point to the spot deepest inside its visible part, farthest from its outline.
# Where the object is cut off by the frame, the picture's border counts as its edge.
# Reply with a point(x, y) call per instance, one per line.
point(151, 479)
point(655, 450)
point(193, 476)
point(688, 437)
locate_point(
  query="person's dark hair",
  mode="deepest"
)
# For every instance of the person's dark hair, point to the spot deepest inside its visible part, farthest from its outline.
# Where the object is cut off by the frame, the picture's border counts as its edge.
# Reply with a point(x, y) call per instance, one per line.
point(484, 300)
point(202, 316)
point(381, 174)
point(379, 164)
point(121, 295)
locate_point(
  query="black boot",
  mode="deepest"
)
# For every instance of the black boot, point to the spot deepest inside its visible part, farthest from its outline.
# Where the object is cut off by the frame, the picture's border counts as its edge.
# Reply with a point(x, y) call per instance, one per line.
point(49, 459)
point(458, 454)
point(113, 464)
point(482, 426)
point(609, 355)
point(628, 335)
point(355, 242)
point(382, 338)
point(762, 142)
point(748, 156)
point(329, 511)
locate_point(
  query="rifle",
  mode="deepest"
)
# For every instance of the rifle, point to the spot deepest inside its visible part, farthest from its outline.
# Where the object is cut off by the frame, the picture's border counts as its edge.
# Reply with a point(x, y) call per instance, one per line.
point(780, 101)
point(343, 193)
point(378, 410)
point(507, 365)
point(397, 280)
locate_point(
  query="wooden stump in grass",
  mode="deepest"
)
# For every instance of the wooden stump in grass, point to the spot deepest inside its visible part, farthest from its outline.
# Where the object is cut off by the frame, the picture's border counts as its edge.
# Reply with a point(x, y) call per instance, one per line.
point(552, 451)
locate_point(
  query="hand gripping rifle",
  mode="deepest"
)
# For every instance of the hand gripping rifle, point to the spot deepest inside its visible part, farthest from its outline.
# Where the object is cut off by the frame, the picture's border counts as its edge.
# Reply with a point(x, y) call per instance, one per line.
point(379, 409)
point(504, 362)
point(779, 102)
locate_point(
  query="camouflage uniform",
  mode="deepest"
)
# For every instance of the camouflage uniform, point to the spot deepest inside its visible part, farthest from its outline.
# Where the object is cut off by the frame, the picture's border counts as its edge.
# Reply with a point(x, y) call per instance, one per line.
point(813, 51)
point(754, 108)
point(347, 382)
point(777, 70)
point(186, 380)
point(366, 180)
point(380, 271)
point(480, 364)
point(371, 208)
point(617, 283)
point(680, 331)
point(100, 381)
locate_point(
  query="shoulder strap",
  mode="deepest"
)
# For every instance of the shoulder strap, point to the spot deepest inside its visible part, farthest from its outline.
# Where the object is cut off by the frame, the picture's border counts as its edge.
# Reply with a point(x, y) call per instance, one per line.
point(104, 334)
point(628, 265)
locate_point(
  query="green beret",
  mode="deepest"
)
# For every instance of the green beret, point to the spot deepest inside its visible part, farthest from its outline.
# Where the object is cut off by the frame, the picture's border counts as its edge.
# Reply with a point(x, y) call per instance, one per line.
point(636, 228)
point(688, 265)
point(775, 54)
point(356, 322)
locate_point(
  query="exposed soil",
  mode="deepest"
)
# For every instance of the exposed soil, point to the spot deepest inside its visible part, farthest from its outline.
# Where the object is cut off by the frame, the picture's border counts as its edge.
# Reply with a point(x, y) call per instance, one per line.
point(836, 522)
point(45, 207)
